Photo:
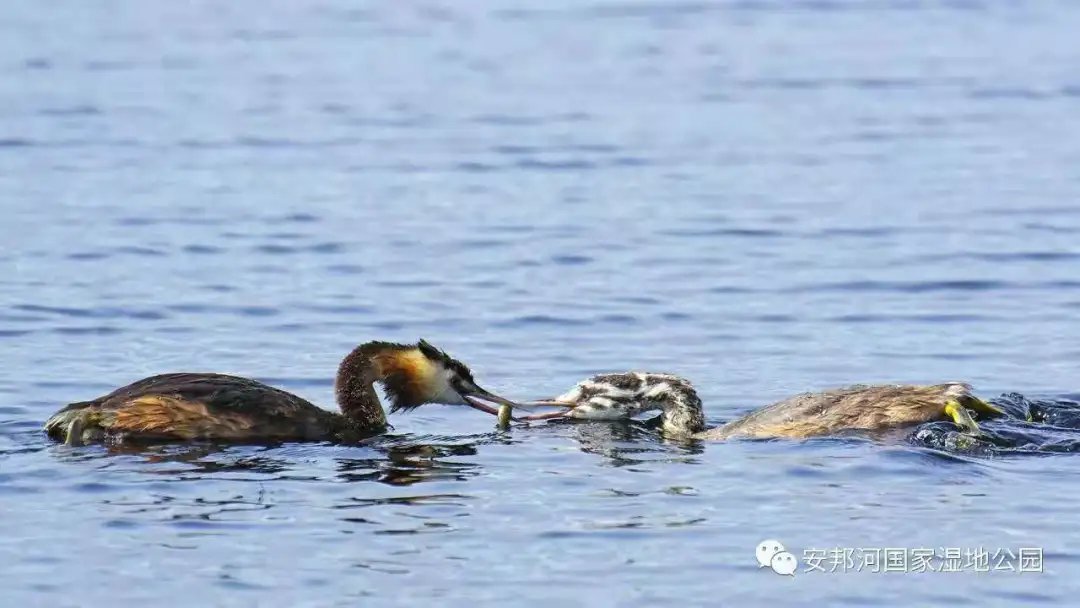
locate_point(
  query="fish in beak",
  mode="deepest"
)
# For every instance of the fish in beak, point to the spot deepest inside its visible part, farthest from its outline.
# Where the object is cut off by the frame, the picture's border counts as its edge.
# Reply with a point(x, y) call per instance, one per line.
point(479, 398)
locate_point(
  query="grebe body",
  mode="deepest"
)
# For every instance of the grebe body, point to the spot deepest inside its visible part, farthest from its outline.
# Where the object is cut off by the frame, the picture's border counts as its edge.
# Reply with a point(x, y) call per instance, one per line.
point(208, 406)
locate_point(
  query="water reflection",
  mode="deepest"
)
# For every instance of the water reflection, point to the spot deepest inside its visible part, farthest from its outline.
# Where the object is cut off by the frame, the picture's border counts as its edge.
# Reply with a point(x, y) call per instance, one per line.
point(410, 463)
point(392, 460)
point(622, 442)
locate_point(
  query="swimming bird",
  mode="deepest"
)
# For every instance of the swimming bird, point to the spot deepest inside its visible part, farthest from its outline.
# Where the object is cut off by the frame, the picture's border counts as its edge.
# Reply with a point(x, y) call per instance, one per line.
point(193, 406)
point(860, 407)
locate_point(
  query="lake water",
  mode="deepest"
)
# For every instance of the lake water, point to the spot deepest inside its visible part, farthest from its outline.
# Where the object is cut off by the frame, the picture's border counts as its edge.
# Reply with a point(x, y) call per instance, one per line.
point(765, 197)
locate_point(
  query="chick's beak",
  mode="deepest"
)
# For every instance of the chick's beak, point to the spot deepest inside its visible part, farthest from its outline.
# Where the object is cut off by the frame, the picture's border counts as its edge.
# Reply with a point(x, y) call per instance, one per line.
point(532, 405)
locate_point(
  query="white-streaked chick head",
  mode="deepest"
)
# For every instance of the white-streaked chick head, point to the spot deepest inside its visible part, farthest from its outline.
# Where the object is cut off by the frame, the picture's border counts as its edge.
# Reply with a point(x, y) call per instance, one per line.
point(627, 395)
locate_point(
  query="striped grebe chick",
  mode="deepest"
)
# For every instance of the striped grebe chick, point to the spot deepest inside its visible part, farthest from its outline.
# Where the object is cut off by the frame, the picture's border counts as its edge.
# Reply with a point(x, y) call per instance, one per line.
point(860, 408)
point(194, 406)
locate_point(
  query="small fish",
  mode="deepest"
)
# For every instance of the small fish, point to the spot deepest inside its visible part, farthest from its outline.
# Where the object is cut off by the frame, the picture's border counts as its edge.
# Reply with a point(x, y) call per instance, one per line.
point(504, 416)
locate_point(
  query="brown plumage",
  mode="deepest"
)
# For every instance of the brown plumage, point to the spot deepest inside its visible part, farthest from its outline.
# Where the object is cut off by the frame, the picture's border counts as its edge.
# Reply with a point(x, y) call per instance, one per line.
point(191, 406)
point(860, 408)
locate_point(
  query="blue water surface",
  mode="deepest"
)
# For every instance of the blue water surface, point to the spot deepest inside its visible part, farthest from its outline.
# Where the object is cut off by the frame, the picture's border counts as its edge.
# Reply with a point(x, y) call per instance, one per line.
point(766, 197)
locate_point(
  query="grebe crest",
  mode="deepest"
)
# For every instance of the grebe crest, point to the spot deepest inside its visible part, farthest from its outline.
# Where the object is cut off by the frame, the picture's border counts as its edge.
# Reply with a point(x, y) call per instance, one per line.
point(626, 395)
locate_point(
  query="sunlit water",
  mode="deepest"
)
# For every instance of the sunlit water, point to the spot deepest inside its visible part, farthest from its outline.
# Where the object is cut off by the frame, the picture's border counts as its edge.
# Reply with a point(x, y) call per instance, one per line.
point(766, 197)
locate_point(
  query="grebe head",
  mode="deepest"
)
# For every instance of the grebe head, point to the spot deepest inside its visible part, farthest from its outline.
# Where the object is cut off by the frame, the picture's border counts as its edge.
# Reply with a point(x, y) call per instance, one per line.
point(626, 395)
point(415, 375)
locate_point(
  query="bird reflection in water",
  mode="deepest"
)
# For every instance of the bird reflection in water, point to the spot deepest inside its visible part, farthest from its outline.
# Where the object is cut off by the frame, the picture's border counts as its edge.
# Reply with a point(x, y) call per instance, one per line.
point(625, 442)
point(246, 477)
point(409, 463)
point(392, 460)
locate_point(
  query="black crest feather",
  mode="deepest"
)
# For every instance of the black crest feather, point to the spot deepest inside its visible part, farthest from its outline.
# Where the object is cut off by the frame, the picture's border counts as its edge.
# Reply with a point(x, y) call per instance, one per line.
point(435, 354)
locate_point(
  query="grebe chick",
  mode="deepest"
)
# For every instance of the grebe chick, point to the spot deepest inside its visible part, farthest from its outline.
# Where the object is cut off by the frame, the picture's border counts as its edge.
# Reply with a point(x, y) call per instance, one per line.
point(192, 406)
point(865, 408)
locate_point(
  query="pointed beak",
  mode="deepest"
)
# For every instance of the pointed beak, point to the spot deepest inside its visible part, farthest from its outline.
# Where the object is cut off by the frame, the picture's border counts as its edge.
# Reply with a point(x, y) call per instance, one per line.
point(479, 398)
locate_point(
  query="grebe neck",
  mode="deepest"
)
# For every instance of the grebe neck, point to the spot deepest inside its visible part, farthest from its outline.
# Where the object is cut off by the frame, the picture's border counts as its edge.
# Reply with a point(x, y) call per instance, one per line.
point(354, 386)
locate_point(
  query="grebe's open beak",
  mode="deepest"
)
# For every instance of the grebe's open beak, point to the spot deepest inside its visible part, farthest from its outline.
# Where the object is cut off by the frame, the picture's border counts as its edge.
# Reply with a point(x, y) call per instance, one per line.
point(479, 398)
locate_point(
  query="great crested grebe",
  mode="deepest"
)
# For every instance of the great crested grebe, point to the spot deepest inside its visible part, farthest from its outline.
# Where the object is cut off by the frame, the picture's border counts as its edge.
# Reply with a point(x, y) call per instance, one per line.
point(190, 406)
point(860, 408)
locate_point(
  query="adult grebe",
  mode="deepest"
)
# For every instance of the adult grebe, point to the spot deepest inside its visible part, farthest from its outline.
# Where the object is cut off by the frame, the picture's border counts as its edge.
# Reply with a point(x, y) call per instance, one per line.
point(865, 408)
point(188, 406)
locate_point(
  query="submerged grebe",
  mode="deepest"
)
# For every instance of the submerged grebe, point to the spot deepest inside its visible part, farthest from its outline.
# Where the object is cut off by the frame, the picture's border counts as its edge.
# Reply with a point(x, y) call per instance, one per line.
point(188, 406)
point(864, 408)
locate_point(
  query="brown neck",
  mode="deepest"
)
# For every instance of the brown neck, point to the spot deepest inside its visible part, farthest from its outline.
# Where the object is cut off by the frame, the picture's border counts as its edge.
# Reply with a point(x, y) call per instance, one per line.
point(354, 386)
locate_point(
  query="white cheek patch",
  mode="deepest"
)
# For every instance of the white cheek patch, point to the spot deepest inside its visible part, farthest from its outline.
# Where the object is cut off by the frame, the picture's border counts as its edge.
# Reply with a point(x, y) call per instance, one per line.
point(442, 391)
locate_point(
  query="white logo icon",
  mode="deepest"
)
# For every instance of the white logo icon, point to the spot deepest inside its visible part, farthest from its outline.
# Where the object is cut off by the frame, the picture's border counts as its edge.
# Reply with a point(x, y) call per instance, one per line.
point(784, 563)
point(772, 554)
point(766, 550)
